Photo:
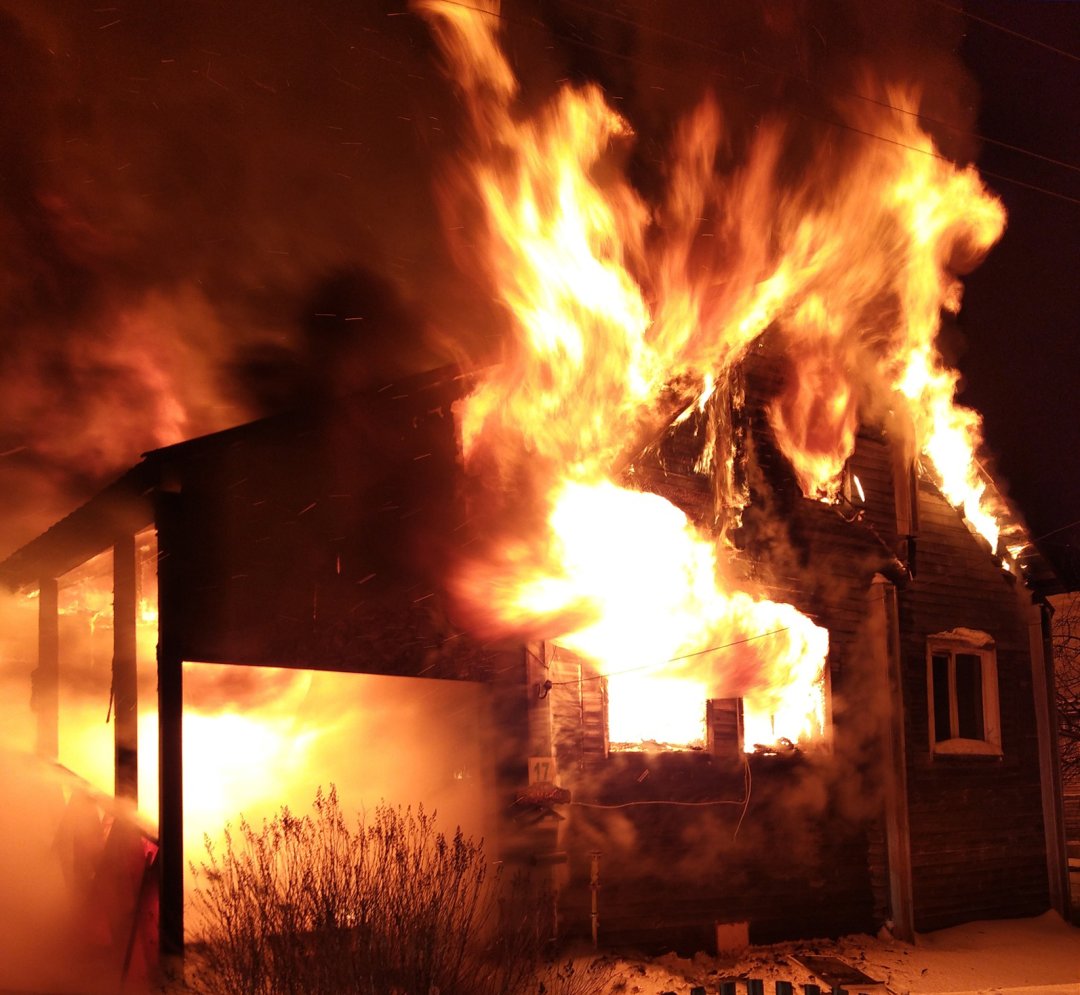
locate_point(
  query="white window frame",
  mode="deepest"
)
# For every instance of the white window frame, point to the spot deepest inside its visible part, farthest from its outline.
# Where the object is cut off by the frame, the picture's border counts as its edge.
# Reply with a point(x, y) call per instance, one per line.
point(973, 644)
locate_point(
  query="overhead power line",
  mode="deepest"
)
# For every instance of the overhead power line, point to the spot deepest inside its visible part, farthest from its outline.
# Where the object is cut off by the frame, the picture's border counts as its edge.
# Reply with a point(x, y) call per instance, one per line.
point(745, 92)
point(944, 158)
point(1054, 532)
point(674, 659)
point(806, 81)
point(1009, 31)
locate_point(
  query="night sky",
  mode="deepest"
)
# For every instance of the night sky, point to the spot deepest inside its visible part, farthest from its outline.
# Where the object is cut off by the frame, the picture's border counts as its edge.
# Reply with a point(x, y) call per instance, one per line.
point(211, 211)
point(1021, 320)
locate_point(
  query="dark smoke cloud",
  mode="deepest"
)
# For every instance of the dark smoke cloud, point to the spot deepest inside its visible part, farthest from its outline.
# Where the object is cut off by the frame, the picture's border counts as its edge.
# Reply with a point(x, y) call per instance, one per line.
point(186, 192)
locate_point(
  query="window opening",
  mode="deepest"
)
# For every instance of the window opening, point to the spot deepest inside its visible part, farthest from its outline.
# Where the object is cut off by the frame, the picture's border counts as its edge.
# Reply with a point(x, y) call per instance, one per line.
point(963, 693)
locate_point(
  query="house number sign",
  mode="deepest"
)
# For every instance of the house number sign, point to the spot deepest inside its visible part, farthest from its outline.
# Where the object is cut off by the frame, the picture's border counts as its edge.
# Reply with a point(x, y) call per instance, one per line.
point(541, 769)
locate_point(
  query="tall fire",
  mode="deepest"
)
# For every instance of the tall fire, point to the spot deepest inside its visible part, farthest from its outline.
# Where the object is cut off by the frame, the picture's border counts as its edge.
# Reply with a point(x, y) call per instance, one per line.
point(589, 467)
point(623, 312)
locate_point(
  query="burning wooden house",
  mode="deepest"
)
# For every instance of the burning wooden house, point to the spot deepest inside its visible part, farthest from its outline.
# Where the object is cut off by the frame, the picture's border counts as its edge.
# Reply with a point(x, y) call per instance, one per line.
point(914, 779)
point(758, 645)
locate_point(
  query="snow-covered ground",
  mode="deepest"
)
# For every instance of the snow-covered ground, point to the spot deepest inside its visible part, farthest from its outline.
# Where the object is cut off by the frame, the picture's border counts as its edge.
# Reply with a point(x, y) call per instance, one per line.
point(1039, 956)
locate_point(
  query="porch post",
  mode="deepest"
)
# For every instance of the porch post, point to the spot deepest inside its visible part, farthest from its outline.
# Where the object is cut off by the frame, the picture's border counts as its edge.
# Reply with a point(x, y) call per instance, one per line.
point(885, 619)
point(124, 673)
point(170, 674)
point(46, 678)
point(171, 801)
point(1042, 671)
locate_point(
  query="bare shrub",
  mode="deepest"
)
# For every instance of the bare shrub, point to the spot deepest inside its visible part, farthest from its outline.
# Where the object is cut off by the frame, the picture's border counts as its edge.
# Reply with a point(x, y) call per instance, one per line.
point(313, 906)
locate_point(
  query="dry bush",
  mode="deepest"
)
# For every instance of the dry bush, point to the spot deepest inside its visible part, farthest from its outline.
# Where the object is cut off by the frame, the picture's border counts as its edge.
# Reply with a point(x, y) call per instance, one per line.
point(313, 906)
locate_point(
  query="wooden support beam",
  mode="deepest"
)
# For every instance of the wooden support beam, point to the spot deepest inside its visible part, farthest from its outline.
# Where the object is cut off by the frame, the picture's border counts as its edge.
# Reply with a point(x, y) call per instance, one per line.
point(538, 702)
point(169, 516)
point(171, 801)
point(46, 678)
point(886, 627)
point(1042, 671)
point(124, 672)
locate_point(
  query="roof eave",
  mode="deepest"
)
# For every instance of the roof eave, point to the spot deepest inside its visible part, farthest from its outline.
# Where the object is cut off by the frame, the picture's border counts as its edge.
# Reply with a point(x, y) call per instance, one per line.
point(123, 508)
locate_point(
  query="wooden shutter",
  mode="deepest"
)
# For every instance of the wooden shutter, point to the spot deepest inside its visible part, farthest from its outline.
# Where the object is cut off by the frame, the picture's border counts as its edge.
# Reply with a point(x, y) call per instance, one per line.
point(579, 709)
point(724, 729)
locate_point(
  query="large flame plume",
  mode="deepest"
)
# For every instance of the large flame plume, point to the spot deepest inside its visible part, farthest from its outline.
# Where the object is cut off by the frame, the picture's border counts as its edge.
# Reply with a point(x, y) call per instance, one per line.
point(623, 312)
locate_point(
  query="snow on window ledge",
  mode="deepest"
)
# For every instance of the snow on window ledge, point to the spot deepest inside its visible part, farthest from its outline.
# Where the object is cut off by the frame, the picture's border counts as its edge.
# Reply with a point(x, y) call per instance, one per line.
point(967, 748)
point(965, 637)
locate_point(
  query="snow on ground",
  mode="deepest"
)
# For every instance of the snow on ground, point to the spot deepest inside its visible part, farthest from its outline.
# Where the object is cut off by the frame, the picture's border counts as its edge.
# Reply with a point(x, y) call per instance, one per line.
point(1039, 956)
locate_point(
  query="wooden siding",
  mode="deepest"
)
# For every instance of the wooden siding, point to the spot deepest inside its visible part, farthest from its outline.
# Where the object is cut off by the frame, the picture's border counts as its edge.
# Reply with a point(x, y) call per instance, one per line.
point(1072, 814)
point(683, 843)
point(978, 848)
point(682, 846)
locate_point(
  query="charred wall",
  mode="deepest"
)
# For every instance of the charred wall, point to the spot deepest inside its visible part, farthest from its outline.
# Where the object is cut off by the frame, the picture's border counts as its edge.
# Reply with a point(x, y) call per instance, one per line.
point(685, 842)
point(977, 842)
point(319, 540)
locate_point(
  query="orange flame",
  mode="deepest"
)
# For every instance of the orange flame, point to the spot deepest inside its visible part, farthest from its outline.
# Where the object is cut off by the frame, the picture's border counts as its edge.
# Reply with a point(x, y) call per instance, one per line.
point(614, 574)
point(621, 312)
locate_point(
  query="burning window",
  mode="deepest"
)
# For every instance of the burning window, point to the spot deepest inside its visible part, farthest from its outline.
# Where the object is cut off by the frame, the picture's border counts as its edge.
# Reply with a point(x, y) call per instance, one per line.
point(646, 711)
point(963, 695)
point(657, 713)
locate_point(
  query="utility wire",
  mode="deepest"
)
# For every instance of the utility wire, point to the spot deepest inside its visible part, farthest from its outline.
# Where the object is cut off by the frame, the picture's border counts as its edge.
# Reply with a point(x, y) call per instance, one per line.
point(746, 804)
point(806, 81)
point(747, 92)
point(663, 801)
point(1030, 186)
point(1009, 31)
point(1054, 532)
point(674, 659)
point(944, 158)
point(744, 801)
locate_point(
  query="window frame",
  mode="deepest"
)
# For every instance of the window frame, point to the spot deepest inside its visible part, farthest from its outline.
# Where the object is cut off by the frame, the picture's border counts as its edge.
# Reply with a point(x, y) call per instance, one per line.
point(955, 644)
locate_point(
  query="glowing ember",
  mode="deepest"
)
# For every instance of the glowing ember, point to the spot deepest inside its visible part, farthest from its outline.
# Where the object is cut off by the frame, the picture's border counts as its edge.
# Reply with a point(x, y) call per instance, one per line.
point(859, 492)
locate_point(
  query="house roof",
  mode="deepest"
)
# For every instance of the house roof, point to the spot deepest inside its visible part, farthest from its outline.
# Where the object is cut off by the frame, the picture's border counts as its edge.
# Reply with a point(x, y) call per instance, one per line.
point(1035, 568)
point(127, 504)
point(122, 508)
